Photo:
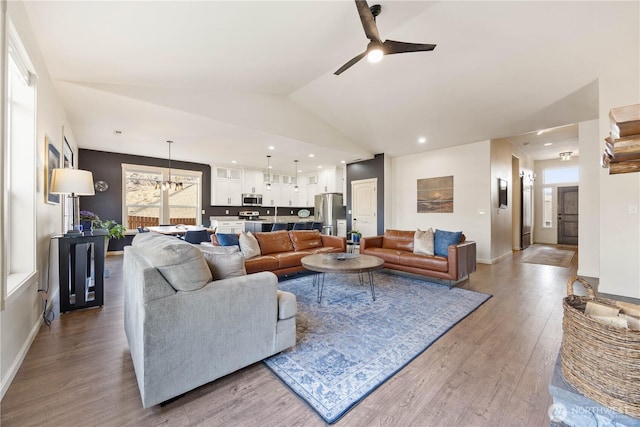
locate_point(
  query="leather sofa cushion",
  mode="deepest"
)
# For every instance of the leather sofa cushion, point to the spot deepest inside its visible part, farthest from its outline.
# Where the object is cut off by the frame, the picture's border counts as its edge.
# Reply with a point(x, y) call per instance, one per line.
point(388, 255)
point(260, 263)
point(290, 259)
point(305, 239)
point(325, 250)
point(274, 242)
point(398, 239)
point(426, 262)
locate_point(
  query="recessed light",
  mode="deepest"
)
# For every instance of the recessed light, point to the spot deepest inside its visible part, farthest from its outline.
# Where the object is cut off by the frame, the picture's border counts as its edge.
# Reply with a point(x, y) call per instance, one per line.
point(343, 161)
point(271, 147)
point(422, 140)
point(234, 162)
point(546, 144)
point(312, 155)
point(319, 167)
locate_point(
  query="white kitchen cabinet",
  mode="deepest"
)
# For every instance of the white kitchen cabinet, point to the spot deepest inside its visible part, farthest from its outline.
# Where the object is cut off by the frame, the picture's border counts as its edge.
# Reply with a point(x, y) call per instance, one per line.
point(310, 190)
point(228, 227)
point(332, 180)
point(253, 182)
point(227, 188)
point(228, 174)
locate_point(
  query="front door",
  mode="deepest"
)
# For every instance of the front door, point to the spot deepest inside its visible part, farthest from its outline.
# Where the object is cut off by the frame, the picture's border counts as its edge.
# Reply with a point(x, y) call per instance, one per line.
point(568, 215)
point(364, 205)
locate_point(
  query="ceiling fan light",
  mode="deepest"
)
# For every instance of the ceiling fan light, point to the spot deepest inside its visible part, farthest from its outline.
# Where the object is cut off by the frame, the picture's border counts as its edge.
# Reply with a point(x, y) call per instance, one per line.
point(375, 54)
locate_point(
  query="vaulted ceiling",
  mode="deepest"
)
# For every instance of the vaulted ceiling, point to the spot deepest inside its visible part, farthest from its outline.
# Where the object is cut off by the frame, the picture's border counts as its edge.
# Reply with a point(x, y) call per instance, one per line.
point(226, 80)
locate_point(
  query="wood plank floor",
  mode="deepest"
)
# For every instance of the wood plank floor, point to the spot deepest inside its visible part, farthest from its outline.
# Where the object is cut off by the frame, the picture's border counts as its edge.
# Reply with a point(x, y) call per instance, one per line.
point(492, 369)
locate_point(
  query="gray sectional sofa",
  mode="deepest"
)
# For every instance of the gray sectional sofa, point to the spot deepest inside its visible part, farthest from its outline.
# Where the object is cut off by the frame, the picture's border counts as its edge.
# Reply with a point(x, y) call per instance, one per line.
point(185, 330)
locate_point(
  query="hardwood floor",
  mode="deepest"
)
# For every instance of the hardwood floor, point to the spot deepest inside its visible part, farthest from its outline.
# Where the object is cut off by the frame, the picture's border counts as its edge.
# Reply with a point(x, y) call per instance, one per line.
point(492, 369)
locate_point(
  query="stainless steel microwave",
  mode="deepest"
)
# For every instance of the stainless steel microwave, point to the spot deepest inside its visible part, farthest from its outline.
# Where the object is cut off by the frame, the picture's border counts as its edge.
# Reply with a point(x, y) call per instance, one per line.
point(249, 199)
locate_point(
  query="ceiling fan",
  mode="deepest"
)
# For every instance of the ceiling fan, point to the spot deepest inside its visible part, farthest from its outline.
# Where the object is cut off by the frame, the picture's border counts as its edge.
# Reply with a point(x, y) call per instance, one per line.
point(376, 48)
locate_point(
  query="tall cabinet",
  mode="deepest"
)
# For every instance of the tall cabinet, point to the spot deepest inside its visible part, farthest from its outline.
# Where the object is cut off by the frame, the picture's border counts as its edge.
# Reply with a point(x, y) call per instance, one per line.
point(227, 188)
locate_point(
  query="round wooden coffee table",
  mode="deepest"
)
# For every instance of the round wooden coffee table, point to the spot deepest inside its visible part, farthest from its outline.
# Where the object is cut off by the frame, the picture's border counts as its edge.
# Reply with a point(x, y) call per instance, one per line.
point(342, 263)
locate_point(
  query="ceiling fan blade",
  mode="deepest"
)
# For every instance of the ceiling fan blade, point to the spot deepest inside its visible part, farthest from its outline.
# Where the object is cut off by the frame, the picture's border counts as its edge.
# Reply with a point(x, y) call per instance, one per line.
point(350, 63)
point(368, 21)
point(391, 46)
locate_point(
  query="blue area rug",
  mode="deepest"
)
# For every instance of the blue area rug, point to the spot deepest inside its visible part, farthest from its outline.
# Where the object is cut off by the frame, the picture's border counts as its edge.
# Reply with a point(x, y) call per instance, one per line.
point(349, 345)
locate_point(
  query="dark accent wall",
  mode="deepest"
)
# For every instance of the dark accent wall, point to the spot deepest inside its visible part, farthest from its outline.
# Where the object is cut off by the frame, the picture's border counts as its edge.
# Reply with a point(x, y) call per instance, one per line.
point(107, 166)
point(367, 169)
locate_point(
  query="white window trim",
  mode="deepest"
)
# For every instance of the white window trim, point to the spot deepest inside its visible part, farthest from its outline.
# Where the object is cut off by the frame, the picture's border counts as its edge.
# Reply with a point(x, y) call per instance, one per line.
point(14, 284)
point(127, 167)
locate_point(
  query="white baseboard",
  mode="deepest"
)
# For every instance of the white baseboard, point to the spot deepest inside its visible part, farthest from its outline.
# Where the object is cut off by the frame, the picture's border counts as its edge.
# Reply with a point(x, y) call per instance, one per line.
point(13, 369)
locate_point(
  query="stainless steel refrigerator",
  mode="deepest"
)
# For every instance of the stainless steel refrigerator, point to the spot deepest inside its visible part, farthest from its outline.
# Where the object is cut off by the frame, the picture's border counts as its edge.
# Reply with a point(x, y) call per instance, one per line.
point(328, 209)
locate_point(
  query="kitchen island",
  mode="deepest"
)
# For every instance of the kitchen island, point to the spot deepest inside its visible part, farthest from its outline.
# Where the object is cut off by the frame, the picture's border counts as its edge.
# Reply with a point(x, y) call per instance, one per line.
point(258, 226)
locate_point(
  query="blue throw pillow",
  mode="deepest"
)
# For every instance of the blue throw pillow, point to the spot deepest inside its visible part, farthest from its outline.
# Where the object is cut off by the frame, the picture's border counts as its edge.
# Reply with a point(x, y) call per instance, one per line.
point(227, 239)
point(443, 239)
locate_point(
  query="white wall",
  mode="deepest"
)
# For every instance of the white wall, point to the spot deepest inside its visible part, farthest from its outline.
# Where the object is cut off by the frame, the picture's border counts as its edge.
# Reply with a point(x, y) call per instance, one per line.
point(620, 194)
point(20, 318)
point(549, 235)
point(470, 166)
point(589, 200)
point(619, 197)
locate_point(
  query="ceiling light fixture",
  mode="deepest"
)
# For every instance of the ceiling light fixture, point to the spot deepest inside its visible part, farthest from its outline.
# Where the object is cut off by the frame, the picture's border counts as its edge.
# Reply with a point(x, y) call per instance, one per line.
point(169, 185)
point(295, 188)
point(548, 144)
point(374, 52)
point(271, 147)
point(565, 156)
point(268, 185)
point(311, 155)
point(422, 140)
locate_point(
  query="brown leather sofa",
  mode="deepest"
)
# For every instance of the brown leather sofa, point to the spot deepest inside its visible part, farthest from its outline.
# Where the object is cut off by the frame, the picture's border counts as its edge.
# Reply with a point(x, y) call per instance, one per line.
point(281, 251)
point(395, 247)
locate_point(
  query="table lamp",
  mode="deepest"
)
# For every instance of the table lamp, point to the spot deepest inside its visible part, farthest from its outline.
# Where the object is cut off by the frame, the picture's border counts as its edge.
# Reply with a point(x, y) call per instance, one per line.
point(73, 182)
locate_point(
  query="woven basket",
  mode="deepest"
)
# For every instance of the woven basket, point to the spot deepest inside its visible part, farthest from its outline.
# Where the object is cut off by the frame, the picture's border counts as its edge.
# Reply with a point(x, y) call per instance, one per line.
point(600, 360)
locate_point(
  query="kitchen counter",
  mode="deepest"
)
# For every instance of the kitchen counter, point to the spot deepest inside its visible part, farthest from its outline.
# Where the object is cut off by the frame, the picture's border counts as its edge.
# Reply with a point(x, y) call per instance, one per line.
point(266, 224)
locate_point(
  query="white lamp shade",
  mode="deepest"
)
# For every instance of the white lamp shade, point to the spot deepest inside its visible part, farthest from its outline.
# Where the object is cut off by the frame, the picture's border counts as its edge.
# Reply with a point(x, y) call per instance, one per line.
point(72, 181)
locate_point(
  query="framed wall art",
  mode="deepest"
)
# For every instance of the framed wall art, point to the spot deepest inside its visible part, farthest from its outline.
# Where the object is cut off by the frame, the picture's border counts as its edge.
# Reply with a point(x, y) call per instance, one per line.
point(68, 155)
point(51, 162)
point(435, 195)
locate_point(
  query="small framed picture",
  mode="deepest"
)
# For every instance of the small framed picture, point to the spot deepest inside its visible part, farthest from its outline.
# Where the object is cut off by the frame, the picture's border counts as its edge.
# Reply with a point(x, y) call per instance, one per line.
point(68, 155)
point(52, 162)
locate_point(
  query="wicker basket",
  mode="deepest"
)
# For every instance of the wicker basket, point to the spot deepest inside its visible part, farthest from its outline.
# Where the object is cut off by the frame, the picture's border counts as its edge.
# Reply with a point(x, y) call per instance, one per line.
point(601, 361)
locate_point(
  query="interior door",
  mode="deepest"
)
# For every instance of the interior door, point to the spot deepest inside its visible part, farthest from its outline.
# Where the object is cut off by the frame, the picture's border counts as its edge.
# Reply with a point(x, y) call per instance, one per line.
point(568, 215)
point(364, 205)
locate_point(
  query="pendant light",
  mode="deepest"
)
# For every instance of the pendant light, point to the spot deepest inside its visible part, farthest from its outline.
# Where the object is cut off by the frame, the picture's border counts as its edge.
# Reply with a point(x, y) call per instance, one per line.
point(169, 185)
point(268, 186)
point(295, 188)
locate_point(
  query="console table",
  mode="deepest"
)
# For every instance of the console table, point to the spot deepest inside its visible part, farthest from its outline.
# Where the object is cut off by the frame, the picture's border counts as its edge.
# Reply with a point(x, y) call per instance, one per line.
point(75, 265)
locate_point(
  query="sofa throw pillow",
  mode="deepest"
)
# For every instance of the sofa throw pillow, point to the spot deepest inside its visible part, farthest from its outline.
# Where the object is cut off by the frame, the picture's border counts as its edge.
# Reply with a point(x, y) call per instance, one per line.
point(181, 264)
point(227, 239)
point(442, 240)
point(423, 242)
point(249, 245)
point(223, 266)
point(208, 247)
